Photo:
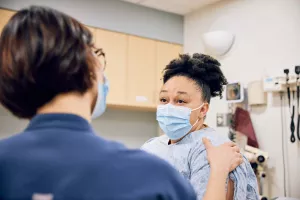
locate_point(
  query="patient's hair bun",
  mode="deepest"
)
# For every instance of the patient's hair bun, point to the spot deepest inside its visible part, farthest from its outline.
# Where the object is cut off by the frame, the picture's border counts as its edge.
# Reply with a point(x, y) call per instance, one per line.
point(201, 68)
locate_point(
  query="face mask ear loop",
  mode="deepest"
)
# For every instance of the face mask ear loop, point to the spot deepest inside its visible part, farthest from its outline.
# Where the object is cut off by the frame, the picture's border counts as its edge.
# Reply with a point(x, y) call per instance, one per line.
point(198, 117)
point(199, 107)
point(195, 123)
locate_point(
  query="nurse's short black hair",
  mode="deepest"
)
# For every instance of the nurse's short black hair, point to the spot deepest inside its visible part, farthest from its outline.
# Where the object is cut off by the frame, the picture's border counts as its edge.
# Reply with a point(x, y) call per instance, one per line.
point(202, 69)
point(43, 53)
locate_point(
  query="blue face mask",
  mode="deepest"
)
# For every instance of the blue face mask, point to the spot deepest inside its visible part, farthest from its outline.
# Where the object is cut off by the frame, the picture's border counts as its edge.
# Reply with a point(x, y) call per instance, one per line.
point(99, 109)
point(175, 120)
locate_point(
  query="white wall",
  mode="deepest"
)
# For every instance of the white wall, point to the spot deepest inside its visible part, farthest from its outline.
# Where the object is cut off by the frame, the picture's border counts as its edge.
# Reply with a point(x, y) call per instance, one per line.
point(128, 127)
point(267, 41)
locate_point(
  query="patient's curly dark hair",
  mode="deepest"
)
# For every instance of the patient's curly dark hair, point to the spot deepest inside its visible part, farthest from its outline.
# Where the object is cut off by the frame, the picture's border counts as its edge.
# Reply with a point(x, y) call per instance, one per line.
point(202, 69)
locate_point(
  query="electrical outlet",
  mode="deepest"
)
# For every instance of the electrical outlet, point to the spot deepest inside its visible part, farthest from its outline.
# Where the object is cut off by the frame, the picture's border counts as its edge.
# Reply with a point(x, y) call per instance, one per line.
point(221, 119)
point(224, 119)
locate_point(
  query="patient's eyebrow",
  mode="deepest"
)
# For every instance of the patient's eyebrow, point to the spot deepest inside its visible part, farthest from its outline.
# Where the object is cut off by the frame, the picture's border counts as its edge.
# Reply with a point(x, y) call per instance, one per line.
point(178, 92)
point(181, 92)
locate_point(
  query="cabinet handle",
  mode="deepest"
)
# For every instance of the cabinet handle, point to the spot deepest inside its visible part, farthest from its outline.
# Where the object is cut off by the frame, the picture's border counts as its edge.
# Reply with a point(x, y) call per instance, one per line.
point(141, 99)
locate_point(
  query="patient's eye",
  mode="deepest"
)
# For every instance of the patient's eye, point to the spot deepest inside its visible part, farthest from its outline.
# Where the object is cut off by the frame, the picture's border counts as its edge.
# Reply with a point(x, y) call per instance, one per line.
point(163, 100)
point(180, 101)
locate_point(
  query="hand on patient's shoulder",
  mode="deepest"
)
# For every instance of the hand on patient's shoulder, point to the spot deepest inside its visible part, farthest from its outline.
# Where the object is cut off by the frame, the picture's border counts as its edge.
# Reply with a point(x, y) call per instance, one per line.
point(225, 157)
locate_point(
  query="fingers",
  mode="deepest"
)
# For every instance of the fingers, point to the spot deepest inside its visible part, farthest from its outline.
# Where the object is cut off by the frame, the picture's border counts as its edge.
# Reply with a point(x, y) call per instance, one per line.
point(207, 143)
point(231, 144)
point(241, 160)
point(236, 149)
point(238, 160)
point(238, 156)
point(234, 146)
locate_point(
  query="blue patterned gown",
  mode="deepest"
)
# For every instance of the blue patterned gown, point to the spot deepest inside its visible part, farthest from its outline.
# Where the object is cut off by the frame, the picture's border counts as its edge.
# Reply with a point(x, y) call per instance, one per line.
point(188, 156)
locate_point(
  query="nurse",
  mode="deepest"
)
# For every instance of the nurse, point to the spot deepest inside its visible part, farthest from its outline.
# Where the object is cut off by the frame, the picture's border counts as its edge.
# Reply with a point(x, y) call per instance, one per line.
point(189, 84)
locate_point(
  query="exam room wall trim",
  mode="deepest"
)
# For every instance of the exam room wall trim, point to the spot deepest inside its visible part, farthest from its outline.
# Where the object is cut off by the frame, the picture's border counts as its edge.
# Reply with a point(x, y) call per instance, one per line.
point(115, 15)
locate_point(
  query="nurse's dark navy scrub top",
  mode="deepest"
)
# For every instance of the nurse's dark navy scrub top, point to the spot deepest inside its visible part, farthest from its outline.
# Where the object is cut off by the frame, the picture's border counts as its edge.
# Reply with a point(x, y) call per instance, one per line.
point(60, 155)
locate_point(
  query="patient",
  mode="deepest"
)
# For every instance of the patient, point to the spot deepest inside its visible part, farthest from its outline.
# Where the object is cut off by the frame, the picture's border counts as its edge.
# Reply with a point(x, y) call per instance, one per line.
point(189, 84)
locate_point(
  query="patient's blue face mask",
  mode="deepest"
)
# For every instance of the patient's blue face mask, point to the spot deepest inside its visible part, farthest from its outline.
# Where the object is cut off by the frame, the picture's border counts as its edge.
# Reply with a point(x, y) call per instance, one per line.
point(175, 120)
point(100, 107)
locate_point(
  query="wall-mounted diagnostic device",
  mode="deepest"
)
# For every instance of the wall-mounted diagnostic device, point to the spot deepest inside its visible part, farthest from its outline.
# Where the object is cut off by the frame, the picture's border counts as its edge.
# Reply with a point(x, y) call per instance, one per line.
point(273, 84)
point(234, 92)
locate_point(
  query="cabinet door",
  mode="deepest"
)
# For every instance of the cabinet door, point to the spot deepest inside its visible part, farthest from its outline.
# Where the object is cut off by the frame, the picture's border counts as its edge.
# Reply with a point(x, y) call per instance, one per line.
point(5, 15)
point(115, 47)
point(141, 71)
point(165, 53)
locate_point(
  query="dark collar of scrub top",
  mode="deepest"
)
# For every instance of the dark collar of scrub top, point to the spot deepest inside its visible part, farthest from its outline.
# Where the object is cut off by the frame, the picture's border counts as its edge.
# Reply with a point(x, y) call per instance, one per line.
point(60, 121)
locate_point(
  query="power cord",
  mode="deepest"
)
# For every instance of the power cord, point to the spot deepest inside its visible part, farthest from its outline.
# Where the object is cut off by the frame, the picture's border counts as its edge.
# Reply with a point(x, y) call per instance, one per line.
point(282, 141)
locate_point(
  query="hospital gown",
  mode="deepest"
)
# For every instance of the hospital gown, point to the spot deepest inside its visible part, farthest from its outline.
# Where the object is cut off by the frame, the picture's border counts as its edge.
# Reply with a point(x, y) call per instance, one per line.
point(189, 157)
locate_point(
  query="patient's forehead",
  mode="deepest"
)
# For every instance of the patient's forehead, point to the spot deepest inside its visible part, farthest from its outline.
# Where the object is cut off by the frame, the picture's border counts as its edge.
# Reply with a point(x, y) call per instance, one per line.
point(181, 84)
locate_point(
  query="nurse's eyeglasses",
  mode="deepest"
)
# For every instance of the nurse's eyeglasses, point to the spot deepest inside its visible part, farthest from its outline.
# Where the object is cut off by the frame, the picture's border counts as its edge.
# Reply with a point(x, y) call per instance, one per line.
point(101, 55)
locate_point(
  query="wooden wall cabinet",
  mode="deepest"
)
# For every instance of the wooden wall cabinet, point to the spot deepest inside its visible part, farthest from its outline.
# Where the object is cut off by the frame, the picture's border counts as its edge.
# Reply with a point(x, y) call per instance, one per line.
point(141, 71)
point(134, 66)
point(115, 47)
point(5, 15)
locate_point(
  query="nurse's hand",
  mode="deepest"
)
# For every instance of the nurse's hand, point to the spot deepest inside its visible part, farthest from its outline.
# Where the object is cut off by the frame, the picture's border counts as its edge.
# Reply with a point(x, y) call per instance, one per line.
point(224, 158)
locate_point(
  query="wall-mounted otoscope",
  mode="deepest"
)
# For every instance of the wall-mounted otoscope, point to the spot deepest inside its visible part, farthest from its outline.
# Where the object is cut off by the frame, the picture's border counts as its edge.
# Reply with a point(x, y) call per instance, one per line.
point(292, 125)
point(286, 71)
point(297, 71)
